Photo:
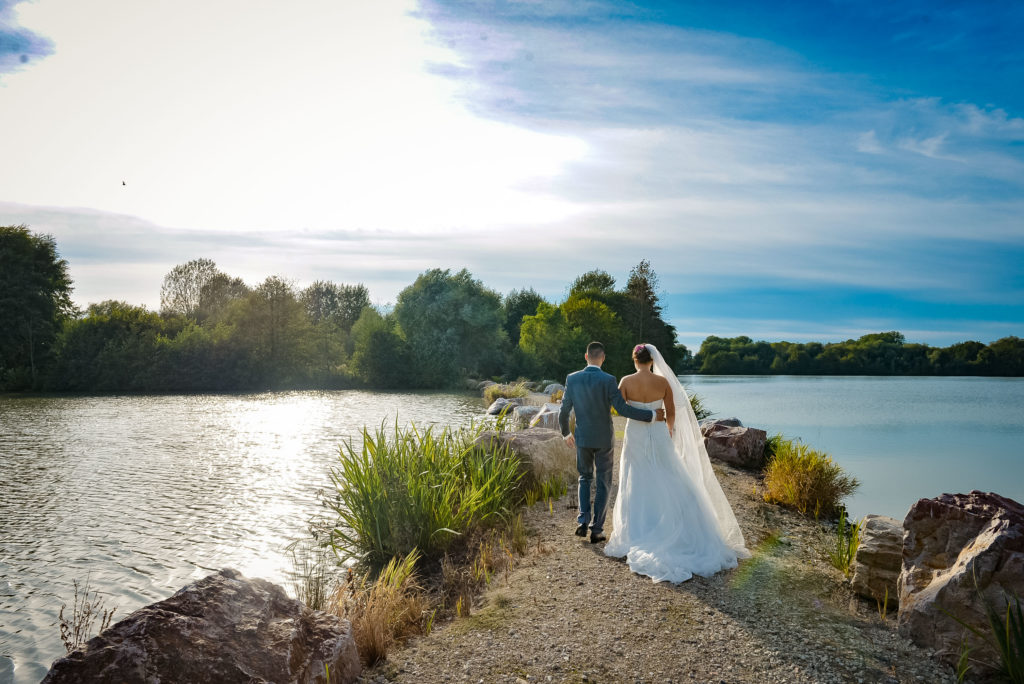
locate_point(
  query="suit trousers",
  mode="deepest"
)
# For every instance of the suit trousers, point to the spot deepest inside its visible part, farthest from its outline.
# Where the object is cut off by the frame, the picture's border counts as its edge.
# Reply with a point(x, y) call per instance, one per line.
point(588, 461)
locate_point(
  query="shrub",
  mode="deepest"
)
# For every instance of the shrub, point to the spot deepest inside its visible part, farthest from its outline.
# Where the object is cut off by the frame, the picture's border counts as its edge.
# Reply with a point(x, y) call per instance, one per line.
point(509, 391)
point(809, 481)
point(414, 489)
point(87, 608)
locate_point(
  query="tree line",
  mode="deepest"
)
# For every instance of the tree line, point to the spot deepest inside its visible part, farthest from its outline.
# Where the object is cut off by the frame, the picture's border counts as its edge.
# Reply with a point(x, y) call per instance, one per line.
point(886, 353)
point(214, 332)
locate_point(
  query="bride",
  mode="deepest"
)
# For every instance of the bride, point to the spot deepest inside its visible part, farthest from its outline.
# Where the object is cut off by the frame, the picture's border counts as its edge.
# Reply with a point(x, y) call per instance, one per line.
point(671, 519)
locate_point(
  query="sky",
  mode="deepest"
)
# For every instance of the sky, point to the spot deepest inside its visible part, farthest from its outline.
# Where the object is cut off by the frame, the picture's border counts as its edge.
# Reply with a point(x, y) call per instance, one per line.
point(800, 170)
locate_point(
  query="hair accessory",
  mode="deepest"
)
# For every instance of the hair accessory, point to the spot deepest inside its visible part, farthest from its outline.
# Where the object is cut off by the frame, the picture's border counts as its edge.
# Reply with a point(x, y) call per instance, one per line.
point(638, 348)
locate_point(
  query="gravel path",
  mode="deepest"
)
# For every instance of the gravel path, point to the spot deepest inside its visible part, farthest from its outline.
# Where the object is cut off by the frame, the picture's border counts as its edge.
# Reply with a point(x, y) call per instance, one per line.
point(568, 613)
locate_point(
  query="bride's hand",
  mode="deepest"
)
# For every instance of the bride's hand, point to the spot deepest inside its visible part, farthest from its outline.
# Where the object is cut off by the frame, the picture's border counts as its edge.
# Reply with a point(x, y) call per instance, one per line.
point(671, 431)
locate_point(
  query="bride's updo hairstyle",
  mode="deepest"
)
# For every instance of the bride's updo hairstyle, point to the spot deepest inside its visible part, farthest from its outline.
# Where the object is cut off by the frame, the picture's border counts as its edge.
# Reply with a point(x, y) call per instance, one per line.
point(641, 354)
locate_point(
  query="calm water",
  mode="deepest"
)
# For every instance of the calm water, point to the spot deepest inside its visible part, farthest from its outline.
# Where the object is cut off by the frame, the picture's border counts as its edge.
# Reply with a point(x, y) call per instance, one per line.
point(144, 494)
point(903, 438)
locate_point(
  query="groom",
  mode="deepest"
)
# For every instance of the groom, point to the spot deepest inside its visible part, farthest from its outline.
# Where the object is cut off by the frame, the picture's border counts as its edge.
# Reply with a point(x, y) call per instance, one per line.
point(592, 392)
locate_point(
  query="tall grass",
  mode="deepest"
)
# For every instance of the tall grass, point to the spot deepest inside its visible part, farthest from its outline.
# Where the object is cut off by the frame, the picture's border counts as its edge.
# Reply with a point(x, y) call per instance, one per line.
point(407, 488)
point(800, 477)
point(846, 542)
point(507, 391)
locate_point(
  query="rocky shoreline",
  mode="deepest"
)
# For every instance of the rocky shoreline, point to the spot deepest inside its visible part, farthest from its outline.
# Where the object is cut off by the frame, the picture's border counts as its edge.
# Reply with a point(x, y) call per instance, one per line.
point(568, 613)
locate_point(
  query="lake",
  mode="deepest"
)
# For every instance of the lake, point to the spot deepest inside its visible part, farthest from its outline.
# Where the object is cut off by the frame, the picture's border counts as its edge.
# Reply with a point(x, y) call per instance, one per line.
point(904, 438)
point(145, 494)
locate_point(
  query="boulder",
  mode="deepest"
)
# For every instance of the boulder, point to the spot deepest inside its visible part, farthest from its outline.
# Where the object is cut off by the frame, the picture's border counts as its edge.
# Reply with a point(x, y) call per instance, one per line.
point(223, 628)
point(725, 422)
point(484, 384)
point(959, 552)
point(879, 558)
point(471, 383)
point(502, 404)
point(742, 447)
point(553, 387)
point(543, 452)
point(523, 415)
point(547, 417)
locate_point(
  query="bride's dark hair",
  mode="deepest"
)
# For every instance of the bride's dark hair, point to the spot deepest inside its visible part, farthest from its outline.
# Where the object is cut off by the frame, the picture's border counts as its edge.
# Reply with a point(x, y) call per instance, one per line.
point(641, 354)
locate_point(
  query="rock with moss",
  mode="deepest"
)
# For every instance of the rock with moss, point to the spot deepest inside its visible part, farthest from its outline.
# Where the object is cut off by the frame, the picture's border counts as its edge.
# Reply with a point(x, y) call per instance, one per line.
point(879, 558)
point(960, 552)
point(223, 628)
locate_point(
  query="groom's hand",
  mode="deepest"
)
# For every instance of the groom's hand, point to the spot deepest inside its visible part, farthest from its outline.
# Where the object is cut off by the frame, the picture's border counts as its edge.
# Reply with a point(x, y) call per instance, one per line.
point(659, 415)
point(570, 440)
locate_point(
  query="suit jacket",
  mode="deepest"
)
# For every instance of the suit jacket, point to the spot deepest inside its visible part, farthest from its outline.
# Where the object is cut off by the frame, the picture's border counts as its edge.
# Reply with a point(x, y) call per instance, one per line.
point(592, 392)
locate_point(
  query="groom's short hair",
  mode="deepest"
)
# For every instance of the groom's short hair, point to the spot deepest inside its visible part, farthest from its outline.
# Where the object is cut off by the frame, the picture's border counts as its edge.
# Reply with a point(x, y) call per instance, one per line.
point(595, 349)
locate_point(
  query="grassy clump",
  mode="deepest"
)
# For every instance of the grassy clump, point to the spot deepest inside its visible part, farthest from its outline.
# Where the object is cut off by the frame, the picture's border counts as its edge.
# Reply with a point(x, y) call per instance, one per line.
point(384, 610)
point(846, 542)
point(800, 477)
point(1005, 635)
point(507, 391)
point(409, 489)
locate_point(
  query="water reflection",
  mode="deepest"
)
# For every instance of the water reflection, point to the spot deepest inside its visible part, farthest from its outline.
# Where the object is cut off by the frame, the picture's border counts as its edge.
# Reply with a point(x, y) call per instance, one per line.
point(144, 494)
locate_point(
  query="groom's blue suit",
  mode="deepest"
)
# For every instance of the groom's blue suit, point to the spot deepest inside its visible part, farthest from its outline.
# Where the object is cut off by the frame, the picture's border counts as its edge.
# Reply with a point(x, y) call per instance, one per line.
point(592, 392)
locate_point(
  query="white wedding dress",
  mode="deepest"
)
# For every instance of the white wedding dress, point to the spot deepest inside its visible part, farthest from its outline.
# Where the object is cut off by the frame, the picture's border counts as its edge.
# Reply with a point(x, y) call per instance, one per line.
point(671, 519)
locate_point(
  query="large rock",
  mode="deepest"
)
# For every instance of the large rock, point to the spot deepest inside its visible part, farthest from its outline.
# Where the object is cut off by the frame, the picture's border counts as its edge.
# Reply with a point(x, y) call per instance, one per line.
point(503, 404)
point(959, 551)
point(742, 447)
point(523, 415)
point(707, 423)
point(879, 558)
point(224, 628)
point(554, 387)
point(547, 417)
point(543, 452)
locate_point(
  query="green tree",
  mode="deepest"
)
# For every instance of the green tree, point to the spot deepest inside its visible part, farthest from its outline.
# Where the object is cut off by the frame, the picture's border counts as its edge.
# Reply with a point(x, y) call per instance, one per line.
point(183, 286)
point(591, 283)
point(380, 357)
point(112, 348)
point(35, 300)
point(453, 326)
point(519, 303)
point(217, 294)
point(272, 325)
point(551, 342)
point(641, 312)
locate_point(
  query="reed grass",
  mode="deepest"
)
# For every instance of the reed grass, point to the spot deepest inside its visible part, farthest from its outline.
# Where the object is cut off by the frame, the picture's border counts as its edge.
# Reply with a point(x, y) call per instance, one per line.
point(1005, 634)
point(314, 572)
point(506, 391)
point(845, 545)
point(407, 488)
point(807, 480)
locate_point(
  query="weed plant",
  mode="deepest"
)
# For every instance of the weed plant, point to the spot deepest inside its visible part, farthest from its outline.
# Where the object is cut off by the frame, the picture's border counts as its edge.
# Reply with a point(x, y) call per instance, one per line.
point(805, 479)
point(507, 391)
point(88, 607)
point(406, 489)
point(846, 542)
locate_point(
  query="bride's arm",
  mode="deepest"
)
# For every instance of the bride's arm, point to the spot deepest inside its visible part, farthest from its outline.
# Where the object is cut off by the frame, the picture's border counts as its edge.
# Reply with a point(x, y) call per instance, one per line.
point(622, 389)
point(670, 408)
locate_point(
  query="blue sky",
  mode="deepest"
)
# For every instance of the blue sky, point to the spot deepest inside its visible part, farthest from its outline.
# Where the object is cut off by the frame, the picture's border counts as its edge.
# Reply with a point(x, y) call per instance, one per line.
point(793, 170)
